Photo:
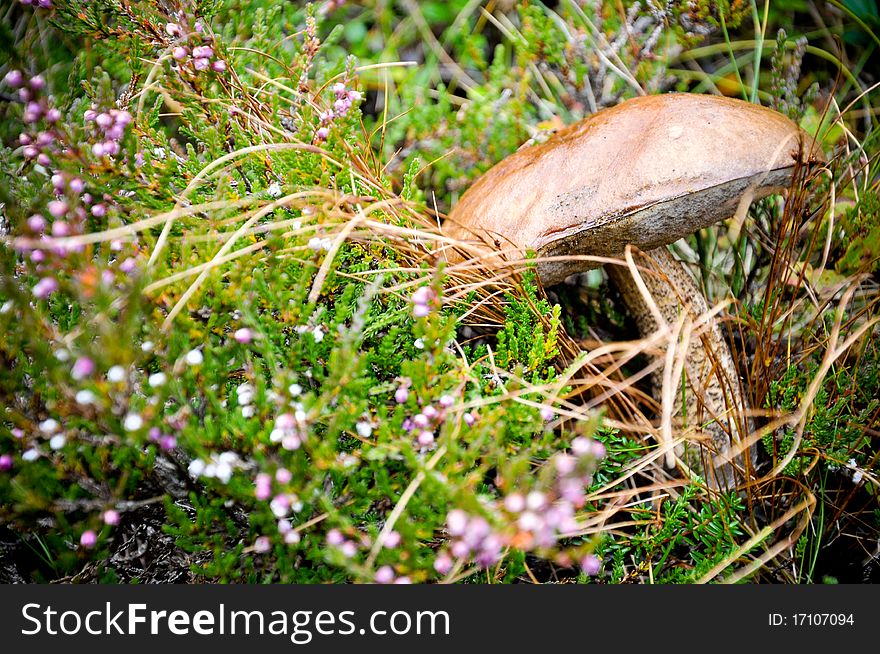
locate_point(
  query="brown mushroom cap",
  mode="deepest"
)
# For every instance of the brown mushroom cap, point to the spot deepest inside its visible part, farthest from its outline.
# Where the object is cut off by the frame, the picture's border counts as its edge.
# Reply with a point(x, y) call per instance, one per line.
point(648, 172)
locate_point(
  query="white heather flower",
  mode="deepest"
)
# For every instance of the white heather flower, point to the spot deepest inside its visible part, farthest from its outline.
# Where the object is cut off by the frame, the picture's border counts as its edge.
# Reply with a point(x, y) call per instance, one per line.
point(194, 357)
point(248, 411)
point(295, 390)
point(133, 422)
point(116, 374)
point(85, 397)
point(62, 355)
point(419, 344)
point(147, 346)
point(245, 393)
point(7, 307)
point(274, 190)
point(30, 455)
point(364, 429)
point(57, 442)
point(318, 334)
point(157, 379)
point(49, 426)
point(223, 472)
point(315, 243)
point(196, 467)
point(292, 537)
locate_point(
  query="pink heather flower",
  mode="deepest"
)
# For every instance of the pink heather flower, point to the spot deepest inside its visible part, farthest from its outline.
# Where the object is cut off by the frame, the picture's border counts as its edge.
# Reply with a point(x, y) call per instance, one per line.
point(581, 446)
point(32, 112)
point(322, 133)
point(262, 545)
point(384, 575)
point(168, 442)
point(456, 521)
point(201, 63)
point(546, 413)
point(469, 419)
point(82, 368)
point(37, 83)
point(291, 442)
point(38, 256)
point(179, 53)
point(565, 464)
point(283, 476)
point(218, 66)
point(45, 287)
point(263, 484)
point(403, 580)
point(391, 540)
point(292, 537)
point(53, 115)
point(443, 563)
point(57, 208)
point(199, 26)
point(243, 335)
point(348, 549)
point(599, 450)
point(30, 152)
point(430, 412)
point(591, 565)
point(36, 223)
point(460, 549)
point(426, 438)
point(5, 462)
point(103, 120)
point(203, 51)
point(76, 185)
point(25, 95)
point(446, 401)
point(172, 29)
point(536, 500)
point(98, 149)
point(44, 160)
point(111, 517)
point(90, 115)
point(420, 420)
point(335, 538)
point(514, 503)
point(422, 295)
point(99, 210)
point(88, 539)
point(401, 395)
point(421, 310)
point(60, 228)
point(14, 78)
point(339, 89)
point(17, 432)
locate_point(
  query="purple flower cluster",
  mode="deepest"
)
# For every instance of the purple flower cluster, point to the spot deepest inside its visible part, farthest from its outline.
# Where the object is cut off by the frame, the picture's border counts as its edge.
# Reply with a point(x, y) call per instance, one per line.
point(192, 47)
point(422, 300)
point(110, 126)
point(281, 503)
point(336, 540)
point(345, 99)
point(430, 418)
point(39, 4)
point(36, 144)
point(533, 521)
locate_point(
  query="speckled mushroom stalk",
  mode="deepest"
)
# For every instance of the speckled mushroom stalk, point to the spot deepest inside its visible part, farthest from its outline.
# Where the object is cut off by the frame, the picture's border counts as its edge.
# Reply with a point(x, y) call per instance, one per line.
point(646, 172)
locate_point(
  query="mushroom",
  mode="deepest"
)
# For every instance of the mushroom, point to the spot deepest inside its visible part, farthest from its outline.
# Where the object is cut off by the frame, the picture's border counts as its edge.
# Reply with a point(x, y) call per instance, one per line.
point(644, 173)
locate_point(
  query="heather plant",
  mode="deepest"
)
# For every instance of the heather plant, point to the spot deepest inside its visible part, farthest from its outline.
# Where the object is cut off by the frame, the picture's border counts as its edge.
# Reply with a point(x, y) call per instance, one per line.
point(233, 351)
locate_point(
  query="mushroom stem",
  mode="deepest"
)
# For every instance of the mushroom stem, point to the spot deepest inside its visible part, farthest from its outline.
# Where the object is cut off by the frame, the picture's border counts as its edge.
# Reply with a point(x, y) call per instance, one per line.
point(714, 406)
